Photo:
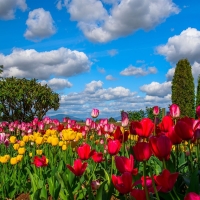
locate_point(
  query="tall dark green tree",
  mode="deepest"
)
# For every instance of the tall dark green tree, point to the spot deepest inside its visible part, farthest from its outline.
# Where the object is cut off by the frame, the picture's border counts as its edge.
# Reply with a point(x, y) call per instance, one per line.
point(183, 89)
point(198, 92)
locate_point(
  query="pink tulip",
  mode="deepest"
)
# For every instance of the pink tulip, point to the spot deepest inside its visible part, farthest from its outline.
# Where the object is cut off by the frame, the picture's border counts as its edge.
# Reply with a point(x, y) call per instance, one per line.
point(156, 110)
point(125, 119)
point(174, 110)
point(88, 122)
point(95, 113)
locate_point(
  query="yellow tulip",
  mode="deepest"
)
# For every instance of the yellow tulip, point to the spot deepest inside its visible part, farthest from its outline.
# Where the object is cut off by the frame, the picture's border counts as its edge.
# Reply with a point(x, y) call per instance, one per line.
point(21, 150)
point(22, 143)
point(39, 152)
point(54, 141)
point(30, 154)
point(25, 138)
point(60, 143)
point(39, 140)
point(31, 138)
point(69, 134)
point(16, 146)
point(19, 157)
point(64, 147)
point(49, 139)
point(13, 160)
point(13, 139)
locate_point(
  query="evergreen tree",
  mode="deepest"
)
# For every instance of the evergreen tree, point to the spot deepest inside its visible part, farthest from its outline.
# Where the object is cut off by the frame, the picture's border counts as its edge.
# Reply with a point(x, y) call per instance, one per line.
point(183, 89)
point(198, 93)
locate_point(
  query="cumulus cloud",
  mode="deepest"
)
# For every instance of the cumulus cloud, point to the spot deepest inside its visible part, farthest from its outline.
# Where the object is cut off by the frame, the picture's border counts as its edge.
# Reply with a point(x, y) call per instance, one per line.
point(138, 71)
point(124, 17)
point(40, 25)
point(110, 101)
point(8, 8)
point(57, 83)
point(41, 65)
point(185, 45)
point(101, 70)
point(157, 89)
point(110, 78)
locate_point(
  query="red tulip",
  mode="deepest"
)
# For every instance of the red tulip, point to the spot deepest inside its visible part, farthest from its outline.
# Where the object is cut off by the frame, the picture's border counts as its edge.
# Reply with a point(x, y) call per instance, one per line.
point(79, 168)
point(124, 164)
point(84, 151)
point(125, 119)
point(123, 183)
point(144, 128)
point(175, 139)
point(40, 162)
point(118, 135)
point(166, 180)
point(161, 146)
point(142, 151)
point(156, 110)
point(192, 196)
point(184, 128)
point(95, 113)
point(138, 194)
point(97, 157)
point(113, 146)
point(174, 110)
point(198, 111)
point(166, 124)
point(132, 128)
point(95, 185)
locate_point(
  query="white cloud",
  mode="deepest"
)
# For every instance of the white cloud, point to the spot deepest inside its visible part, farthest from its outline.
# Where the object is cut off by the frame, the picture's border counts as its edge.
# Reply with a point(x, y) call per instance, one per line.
point(59, 5)
point(155, 99)
point(157, 89)
point(93, 86)
point(40, 25)
point(138, 71)
point(185, 45)
point(41, 65)
point(101, 70)
point(57, 83)
point(110, 78)
point(124, 17)
point(8, 8)
point(113, 52)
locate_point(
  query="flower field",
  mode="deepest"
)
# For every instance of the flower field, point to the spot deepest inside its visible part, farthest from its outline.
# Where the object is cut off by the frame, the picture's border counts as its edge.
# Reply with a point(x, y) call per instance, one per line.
point(141, 160)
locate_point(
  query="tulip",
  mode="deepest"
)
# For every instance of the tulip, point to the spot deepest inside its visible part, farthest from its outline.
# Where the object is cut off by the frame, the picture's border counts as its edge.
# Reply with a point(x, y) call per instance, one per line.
point(156, 110)
point(97, 157)
point(113, 146)
point(78, 168)
point(124, 164)
point(144, 128)
point(166, 124)
point(13, 139)
point(13, 161)
point(125, 119)
point(198, 111)
point(95, 185)
point(88, 122)
point(120, 134)
point(174, 111)
point(21, 150)
point(40, 162)
point(142, 151)
point(166, 180)
point(192, 196)
point(95, 113)
point(161, 146)
point(184, 128)
point(138, 194)
point(175, 139)
point(123, 183)
point(84, 151)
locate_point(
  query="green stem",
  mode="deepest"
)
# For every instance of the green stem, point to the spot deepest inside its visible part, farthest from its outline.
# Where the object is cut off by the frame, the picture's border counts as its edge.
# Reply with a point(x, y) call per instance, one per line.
point(153, 183)
point(176, 147)
point(198, 156)
point(164, 164)
point(171, 196)
point(190, 157)
point(177, 197)
point(112, 165)
point(145, 186)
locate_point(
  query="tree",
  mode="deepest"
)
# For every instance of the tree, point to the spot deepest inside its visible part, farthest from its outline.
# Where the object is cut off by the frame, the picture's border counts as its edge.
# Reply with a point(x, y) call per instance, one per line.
point(136, 115)
point(22, 99)
point(198, 92)
point(183, 89)
point(111, 120)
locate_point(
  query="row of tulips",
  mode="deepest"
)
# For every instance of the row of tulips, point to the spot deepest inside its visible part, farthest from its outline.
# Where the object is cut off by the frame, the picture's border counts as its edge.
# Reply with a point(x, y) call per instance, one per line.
point(139, 160)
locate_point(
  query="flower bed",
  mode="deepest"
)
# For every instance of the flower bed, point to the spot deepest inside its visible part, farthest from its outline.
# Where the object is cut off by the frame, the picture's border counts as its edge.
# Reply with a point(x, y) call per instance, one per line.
point(139, 160)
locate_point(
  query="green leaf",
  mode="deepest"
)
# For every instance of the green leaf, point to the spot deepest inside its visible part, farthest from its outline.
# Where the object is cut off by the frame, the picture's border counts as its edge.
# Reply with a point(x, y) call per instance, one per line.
point(33, 183)
point(100, 191)
point(43, 194)
point(194, 182)
point(57, 191)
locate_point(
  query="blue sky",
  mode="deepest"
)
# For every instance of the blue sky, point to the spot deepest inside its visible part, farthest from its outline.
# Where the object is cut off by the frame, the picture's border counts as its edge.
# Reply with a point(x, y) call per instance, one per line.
point(108, 54)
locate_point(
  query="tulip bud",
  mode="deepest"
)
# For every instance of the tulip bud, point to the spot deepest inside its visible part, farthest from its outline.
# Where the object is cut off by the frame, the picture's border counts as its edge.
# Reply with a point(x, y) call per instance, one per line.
point(198, 111)
point(95, 185)
point(156, 110)
point(125, 119)
point(95, 113)
point(174, 110)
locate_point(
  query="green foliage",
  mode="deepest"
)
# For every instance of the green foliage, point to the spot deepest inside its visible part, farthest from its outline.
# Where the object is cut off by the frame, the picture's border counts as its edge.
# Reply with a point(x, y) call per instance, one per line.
point(111, 120)
point(136, 115)
point(1, 69)
point(22, 99)
point(198, 93)
point(183, 88)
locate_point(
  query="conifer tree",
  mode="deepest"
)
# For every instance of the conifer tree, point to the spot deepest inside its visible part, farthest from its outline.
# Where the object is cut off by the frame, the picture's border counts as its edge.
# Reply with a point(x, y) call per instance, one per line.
point(183, 89)
point(198, 92)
